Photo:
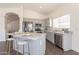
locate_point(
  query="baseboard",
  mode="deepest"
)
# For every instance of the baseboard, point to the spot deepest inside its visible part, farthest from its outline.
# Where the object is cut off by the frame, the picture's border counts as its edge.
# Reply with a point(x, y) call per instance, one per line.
point(75, 50)
point(50, 42)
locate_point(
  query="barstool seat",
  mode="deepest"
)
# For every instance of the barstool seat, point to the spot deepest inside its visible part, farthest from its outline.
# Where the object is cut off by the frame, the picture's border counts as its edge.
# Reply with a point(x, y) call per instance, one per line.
point(9, 39)
point(21, 43)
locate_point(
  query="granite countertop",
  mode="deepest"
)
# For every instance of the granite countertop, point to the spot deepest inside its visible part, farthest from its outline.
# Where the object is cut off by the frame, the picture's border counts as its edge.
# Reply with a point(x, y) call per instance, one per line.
point(63, 32)
point(28, 35)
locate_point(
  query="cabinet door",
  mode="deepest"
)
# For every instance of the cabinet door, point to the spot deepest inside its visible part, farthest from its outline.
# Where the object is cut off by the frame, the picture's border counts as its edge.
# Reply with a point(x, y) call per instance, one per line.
point(50, 36)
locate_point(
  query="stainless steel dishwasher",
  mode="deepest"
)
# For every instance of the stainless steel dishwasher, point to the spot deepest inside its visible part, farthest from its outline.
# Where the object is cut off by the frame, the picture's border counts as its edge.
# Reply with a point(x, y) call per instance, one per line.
point(58, 39)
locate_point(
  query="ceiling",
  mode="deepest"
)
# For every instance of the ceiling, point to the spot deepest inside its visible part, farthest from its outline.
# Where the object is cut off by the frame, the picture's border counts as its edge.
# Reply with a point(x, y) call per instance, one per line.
point(44, 8)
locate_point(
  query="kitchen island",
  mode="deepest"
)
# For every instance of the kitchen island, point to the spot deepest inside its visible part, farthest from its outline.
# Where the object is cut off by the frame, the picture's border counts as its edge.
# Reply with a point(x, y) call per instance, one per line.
point(37, 42)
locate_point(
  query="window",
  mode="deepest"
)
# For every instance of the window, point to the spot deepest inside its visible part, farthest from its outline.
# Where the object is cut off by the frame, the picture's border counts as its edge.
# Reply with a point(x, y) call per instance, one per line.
point(62, 22)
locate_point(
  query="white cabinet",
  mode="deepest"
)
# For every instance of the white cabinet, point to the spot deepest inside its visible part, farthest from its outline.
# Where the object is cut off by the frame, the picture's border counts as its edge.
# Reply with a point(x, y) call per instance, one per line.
point(50, 36)
point(62, 22)
point(38, 47)
point(67, 41)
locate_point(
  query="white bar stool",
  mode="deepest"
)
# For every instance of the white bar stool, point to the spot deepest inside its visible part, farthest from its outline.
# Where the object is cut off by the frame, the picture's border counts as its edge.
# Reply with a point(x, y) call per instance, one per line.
point(23, 43)
point(9, 44)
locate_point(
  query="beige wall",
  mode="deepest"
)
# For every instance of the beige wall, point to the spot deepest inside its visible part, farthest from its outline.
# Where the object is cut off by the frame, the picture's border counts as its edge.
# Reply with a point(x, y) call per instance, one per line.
point(12, 20)
point(13, 26)
point(73, 10)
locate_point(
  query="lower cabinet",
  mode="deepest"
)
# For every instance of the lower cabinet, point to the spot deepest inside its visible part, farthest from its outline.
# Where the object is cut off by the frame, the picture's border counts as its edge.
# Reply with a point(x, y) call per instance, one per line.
point(50, 36)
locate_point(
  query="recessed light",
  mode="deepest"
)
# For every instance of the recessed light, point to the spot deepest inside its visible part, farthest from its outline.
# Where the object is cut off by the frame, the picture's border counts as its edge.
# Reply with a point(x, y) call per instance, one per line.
point(40, 6)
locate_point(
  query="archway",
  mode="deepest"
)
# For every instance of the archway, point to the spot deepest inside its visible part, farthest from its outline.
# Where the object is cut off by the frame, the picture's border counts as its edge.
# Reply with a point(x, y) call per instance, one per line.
point(12, 22)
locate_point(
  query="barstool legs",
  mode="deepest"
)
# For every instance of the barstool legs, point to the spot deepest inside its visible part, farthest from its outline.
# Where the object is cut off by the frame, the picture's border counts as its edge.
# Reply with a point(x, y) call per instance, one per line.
point(8, 47)
point(17, 49)
point(28, 49)
point(23, 50)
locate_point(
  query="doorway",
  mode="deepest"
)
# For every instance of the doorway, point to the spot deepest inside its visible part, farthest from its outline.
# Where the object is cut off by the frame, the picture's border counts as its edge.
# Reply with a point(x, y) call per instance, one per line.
point(12, 23)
